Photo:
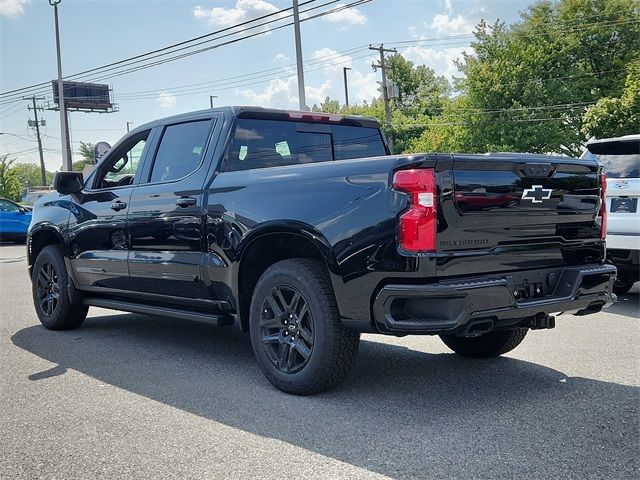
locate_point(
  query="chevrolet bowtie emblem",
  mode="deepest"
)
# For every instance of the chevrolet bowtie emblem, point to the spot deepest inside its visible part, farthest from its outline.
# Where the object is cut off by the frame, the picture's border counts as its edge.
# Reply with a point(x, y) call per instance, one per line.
point(536, 194)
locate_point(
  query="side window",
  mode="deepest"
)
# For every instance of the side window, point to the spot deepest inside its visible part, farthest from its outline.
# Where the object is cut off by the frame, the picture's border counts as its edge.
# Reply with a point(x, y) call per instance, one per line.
point(180, 151)
point(273, 143)
point(120, 166)
point(8, 206)
point(357, 142)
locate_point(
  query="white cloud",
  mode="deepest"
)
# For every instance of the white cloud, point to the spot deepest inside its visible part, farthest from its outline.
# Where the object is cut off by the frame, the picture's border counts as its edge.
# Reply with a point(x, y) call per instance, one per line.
point(349, 16)
point(448, 24)
point(244, 10)
point(332, 61)
point(283, 93)
point(362, 86)
point(441, 60)
point(167, 100)
point(281, 57)
point(12, 8)
point(279, 93)
point(318, 94)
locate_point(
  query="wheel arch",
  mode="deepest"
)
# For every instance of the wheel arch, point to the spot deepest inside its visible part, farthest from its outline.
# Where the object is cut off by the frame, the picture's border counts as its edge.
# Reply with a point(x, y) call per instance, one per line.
point(39, 237)
point(273, 243)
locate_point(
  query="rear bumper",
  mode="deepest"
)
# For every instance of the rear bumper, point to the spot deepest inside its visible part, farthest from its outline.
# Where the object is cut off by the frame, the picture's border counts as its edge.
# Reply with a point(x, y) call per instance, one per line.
point(451, 306)
point(629, 241)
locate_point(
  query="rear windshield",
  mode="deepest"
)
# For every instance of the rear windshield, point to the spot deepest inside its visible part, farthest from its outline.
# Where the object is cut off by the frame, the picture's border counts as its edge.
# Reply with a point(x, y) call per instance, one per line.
point(620, 159)
point(271, 143)
point(618, 166)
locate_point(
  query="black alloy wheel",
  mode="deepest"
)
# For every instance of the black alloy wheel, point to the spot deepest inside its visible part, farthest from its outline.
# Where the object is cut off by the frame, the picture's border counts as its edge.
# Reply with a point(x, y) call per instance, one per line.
point(286, 329)
point(48, 289)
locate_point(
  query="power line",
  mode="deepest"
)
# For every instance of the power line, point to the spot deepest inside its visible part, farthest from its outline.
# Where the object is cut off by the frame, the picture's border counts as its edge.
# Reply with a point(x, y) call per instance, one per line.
point(183, 55)
point(228, 42)
point(168, 47)
point(454, 37)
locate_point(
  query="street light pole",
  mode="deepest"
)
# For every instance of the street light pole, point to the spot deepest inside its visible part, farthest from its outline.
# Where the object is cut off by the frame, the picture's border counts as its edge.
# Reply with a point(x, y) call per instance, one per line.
point(346, 89)
point(211, 97)
point(66, 151)
point(296, 28)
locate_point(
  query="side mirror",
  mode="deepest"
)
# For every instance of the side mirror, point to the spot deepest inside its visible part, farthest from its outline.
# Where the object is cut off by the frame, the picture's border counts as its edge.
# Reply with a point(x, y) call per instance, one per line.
point(22, 210)
point(68, 182)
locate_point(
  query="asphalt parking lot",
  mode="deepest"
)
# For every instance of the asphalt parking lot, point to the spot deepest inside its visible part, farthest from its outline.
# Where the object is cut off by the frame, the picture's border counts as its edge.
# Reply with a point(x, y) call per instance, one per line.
point(131, 396)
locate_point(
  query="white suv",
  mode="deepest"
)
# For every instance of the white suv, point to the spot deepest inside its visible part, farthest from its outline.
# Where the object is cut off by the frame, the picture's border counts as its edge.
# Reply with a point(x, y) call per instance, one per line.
point(621, 160)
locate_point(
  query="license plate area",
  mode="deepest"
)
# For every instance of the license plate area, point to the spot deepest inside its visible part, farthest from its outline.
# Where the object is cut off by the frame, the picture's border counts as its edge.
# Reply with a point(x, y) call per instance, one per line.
point(623, 205)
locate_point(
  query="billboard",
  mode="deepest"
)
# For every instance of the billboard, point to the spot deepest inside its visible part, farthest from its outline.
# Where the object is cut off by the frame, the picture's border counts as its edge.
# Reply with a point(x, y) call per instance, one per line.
point(88, 97)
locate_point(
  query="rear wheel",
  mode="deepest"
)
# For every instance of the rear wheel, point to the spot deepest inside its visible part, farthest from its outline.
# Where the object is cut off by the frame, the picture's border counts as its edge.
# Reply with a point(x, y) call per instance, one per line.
point(296, 333)
point(50, 295)
point(490, 344)
point(622, 284)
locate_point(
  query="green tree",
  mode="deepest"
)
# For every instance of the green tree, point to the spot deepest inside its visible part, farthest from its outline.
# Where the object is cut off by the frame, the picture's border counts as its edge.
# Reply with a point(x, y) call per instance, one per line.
point(9, 183)
point(528, 85)
point(29, 175)
point(327, 106)
point(78, 165)
point(420, 90)
point(87, 152)
point(88, 157)
point(446, 132)
point(616, 116)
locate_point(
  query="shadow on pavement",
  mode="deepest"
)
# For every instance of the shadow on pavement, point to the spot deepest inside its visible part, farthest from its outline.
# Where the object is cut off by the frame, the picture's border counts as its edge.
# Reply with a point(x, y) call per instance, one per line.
point(627, 304)
point(401, 413)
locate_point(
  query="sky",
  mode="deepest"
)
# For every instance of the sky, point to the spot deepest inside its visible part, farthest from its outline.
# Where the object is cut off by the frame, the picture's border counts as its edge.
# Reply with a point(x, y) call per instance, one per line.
point(256, 71)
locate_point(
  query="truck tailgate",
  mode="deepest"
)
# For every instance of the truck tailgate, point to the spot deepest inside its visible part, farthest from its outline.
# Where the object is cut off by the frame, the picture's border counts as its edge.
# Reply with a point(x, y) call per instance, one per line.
point(515, 212)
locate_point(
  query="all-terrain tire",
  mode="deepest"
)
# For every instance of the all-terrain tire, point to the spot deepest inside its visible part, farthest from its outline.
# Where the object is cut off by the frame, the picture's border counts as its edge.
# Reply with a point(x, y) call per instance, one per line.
point(490, 344)
point(50, 294)
point(622, 284)
point(333, 348)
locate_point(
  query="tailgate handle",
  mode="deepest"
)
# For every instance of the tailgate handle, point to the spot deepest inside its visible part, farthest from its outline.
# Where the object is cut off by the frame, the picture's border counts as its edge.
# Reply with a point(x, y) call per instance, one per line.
point(536, 169)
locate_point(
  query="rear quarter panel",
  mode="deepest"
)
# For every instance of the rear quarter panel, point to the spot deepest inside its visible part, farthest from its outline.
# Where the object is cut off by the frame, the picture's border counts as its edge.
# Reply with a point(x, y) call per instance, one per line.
point(346, 208)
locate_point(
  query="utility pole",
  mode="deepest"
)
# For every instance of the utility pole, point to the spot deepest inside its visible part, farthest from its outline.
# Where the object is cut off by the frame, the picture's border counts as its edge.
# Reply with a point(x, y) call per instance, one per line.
point(43, 171)
point(296, 28)
point(346, 89)
point(128, 126)
point(385, 91)
point(64, 128)
point(211, 97)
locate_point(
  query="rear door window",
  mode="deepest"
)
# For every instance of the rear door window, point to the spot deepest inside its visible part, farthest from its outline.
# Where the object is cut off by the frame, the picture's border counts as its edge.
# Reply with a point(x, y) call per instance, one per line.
point(357, 142)
point(272, 143)
point(181, 150)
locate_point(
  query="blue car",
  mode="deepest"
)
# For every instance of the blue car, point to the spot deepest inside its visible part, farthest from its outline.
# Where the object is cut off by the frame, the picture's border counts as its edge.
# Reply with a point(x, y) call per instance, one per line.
point(14, 221)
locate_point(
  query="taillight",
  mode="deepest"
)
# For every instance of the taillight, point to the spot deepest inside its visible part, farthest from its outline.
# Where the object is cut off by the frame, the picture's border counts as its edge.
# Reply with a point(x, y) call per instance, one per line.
point(603, 206)
point(418, 225)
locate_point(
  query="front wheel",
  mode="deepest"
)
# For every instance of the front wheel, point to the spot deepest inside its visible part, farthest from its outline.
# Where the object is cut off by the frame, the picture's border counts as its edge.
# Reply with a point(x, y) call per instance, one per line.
point(296, 333)
point(50, 294)
point(490, 344)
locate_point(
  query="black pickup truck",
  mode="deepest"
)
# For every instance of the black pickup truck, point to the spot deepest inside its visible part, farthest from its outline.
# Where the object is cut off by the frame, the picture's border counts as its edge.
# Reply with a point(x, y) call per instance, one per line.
point(301, 229)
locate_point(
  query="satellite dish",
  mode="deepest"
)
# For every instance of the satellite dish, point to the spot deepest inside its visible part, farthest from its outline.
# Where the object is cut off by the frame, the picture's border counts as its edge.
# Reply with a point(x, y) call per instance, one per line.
point(100, 150)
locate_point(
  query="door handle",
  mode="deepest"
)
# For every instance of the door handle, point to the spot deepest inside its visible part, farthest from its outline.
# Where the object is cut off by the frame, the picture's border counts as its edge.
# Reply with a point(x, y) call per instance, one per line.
point(118, 205)
point(185, 201)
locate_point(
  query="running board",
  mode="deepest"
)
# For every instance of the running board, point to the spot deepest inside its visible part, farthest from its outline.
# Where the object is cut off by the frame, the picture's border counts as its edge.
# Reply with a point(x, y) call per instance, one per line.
point(211, 319)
